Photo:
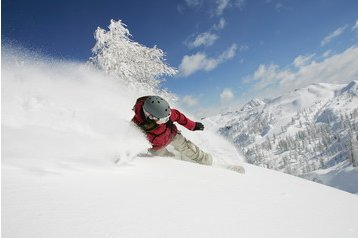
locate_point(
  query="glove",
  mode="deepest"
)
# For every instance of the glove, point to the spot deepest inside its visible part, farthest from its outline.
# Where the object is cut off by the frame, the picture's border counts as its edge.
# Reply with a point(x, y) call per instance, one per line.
point(199, 126)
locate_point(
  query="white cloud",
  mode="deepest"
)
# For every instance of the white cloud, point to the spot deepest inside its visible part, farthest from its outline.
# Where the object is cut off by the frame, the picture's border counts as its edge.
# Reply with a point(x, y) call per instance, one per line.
point(180, 8)
point(333, 35)
point(193, 3)
point(226, 95)
point(243, 47)
point(190, 101)
point(270, 75)
point(338, 68)
point(355, 27)
point(223, 4)
point(220, 5)
point(192, 63)
point(240, 3)
point(200, 61)
point(327, 53)
point(220, 25)
point(228, 53)
point(203, 39)
point(302, 60)
point(279, 6)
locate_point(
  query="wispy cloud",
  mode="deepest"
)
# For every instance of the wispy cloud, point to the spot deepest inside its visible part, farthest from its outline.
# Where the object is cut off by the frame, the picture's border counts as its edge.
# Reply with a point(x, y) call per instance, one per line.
point(333, 35)
point(228, 53)
point(269, 76)
point(206, 38)
point(244, 48)
point(220, 25)
point(190, 101)
point(226, 95)
point(203, 39)
point(279, 6)
point(327, 53)
point(193, 3)
point(355, 27)
point(221, 5)
point(200, 61)
point(302, 60)
point(271, 80)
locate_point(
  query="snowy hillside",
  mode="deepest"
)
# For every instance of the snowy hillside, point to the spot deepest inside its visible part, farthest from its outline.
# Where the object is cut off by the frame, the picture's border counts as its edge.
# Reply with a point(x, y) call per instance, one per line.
point(307, 132)
point(64, 125)
point(161, 197)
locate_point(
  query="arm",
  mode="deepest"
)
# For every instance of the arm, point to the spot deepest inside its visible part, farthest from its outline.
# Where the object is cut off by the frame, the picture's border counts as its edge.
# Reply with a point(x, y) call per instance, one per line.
point(177, 116)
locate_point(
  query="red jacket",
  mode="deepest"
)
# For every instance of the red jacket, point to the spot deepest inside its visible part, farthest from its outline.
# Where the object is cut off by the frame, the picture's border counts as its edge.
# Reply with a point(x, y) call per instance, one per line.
point(160, 135)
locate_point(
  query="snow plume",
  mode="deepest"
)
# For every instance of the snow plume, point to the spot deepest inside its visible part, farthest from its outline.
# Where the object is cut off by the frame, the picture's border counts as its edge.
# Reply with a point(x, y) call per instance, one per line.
point(57, 113)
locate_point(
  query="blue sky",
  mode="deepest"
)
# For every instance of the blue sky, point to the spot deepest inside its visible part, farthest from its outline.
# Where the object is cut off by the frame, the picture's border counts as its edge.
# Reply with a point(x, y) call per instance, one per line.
point(227, 51)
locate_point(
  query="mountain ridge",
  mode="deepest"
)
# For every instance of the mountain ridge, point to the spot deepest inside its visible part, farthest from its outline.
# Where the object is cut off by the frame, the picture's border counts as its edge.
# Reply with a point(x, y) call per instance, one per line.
point(299, 132)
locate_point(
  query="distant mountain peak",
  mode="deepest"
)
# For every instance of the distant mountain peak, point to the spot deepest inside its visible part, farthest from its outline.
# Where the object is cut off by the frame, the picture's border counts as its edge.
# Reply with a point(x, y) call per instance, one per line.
point(351, 88)
point(252, 104)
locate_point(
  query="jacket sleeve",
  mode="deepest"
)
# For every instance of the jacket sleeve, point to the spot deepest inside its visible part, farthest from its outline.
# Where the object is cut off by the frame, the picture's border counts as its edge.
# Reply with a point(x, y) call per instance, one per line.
point(179, 117)
point(135, 120)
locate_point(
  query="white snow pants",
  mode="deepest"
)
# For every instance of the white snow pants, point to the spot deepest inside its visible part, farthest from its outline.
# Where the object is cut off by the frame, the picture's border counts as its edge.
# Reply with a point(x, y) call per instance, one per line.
point(186, 148)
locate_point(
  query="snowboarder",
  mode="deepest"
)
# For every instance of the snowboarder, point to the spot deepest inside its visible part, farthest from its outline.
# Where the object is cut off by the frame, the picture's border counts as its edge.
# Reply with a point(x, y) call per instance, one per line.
point(156, 119)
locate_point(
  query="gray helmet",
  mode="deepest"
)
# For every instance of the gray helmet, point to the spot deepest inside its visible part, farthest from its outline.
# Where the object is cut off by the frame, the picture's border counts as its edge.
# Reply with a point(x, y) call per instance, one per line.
point(157, 107)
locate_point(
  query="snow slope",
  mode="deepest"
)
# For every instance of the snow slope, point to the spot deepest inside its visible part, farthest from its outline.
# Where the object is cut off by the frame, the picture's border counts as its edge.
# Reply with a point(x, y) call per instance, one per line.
point(161, 197)
point(63, 125)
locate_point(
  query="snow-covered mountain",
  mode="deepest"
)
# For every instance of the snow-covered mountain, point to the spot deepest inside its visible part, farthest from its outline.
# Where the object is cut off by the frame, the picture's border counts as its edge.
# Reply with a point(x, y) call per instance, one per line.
point(63, 125)
point(254, 103)
point(308, 132)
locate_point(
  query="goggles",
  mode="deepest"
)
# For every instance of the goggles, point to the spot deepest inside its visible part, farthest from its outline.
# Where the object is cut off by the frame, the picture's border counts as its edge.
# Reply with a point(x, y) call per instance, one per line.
point(157, 120)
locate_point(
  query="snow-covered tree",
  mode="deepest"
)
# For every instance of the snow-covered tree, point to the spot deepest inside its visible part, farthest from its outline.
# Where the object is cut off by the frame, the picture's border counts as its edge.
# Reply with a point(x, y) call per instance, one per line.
point(119, 56)
point(354, 148)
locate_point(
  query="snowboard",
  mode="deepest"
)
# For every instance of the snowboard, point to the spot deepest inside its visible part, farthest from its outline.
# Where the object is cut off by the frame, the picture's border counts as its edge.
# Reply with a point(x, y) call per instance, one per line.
point(233, 167)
